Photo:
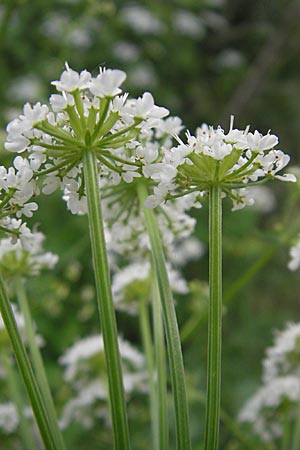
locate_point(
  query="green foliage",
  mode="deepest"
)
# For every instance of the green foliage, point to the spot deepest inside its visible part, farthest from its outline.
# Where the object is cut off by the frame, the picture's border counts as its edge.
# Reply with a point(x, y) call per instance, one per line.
point(243, 59)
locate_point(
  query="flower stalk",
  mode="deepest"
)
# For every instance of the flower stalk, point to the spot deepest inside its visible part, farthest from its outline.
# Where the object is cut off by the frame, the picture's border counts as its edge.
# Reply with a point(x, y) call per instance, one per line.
point(27, 373)
point(214, 320)
point(18, 399)
point(37, 362)
point(160, 359)
point(149, 355)
point(171, 327)
point(105, 303)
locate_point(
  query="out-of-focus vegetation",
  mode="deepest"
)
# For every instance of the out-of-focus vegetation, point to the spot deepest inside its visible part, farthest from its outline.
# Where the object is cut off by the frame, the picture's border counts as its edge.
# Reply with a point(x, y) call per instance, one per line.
point(204, 60)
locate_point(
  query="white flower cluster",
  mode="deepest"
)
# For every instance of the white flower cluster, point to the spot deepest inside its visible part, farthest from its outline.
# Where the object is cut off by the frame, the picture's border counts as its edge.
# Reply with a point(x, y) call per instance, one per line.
point(89, 113)
point(283, 358)
point(280, 393)
point(125, 222)
point(126, 234)
point(233, 160)
point(132, 283)
point(16, 260)
point(17, 188)
point(81, 364)
point(263, 409)
point(294, 262)
point(9, 420)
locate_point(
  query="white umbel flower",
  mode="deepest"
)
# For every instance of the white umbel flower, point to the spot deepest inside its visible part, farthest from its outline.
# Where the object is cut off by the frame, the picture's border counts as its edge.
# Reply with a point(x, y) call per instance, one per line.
point(88, 114)
point(283, 357)
point(15, 260)
point(263, 409)
point(232, 160)
point(107, 84)
point(76, 360)
point(9, 420)
point(294, 262)
point(71, 80)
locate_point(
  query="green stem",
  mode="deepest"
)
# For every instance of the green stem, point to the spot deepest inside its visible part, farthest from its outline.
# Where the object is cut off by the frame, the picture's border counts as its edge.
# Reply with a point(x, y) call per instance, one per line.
point(111, 138)
point(38, 364)
point(29, 379)
point(190, 327)
point(19, 401)
point(104, 105)
point(149, 354)
point(160, 358)
point(296, 433)
point(215, 320)
point(286, 430)
point(105, 303)
point(246, 440)
point(171, 327)
point(60, 134)
point(249, 273)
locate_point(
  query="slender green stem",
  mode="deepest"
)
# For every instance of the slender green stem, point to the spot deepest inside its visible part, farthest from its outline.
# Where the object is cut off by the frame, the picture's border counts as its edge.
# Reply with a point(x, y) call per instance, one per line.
point(214, 320)
point(60, 134)
point(296, 432)
point(171, 327)
point(190, 327)
point(245, 439)
point(38, 365)
point(160, 359)
point(29, 379)
point(112, 137)
point(19, 401)
point(249, 273)
point(286, 430)
point(149, 354)
point(105, 303)
point(104, 110)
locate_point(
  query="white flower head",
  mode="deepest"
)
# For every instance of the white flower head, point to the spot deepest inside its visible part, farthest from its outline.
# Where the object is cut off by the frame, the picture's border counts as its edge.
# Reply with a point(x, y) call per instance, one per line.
point(294, 262)
point(232, 160)
point(78, 359)
point(283, 357)
point(258, 142)
point(16, 260)
point(144, 107)
point(71, 80)
point(264, 409)
point(107, 84)
point(9, 419)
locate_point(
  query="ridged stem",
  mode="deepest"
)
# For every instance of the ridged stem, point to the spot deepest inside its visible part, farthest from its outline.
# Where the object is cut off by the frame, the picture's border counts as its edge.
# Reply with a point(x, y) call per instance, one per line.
point(211, 440)
point(38, 364)
point(26, 371)
point(19, 402)
point(160, 364)
point(105, 304)
point(149, 355)
point(171, 327)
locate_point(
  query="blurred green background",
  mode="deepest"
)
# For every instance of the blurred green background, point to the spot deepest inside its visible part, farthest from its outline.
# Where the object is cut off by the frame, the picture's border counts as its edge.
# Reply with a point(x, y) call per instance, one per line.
point(204, 60)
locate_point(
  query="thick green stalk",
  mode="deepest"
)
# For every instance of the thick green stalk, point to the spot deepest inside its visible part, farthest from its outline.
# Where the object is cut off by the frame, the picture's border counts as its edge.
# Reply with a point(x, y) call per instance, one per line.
point(171, 327)
point(26, 371)
point(38, 365)
point(160, 363)
point(19, 401)
point(211, 441)
point(149, 354)
point(105, 303)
